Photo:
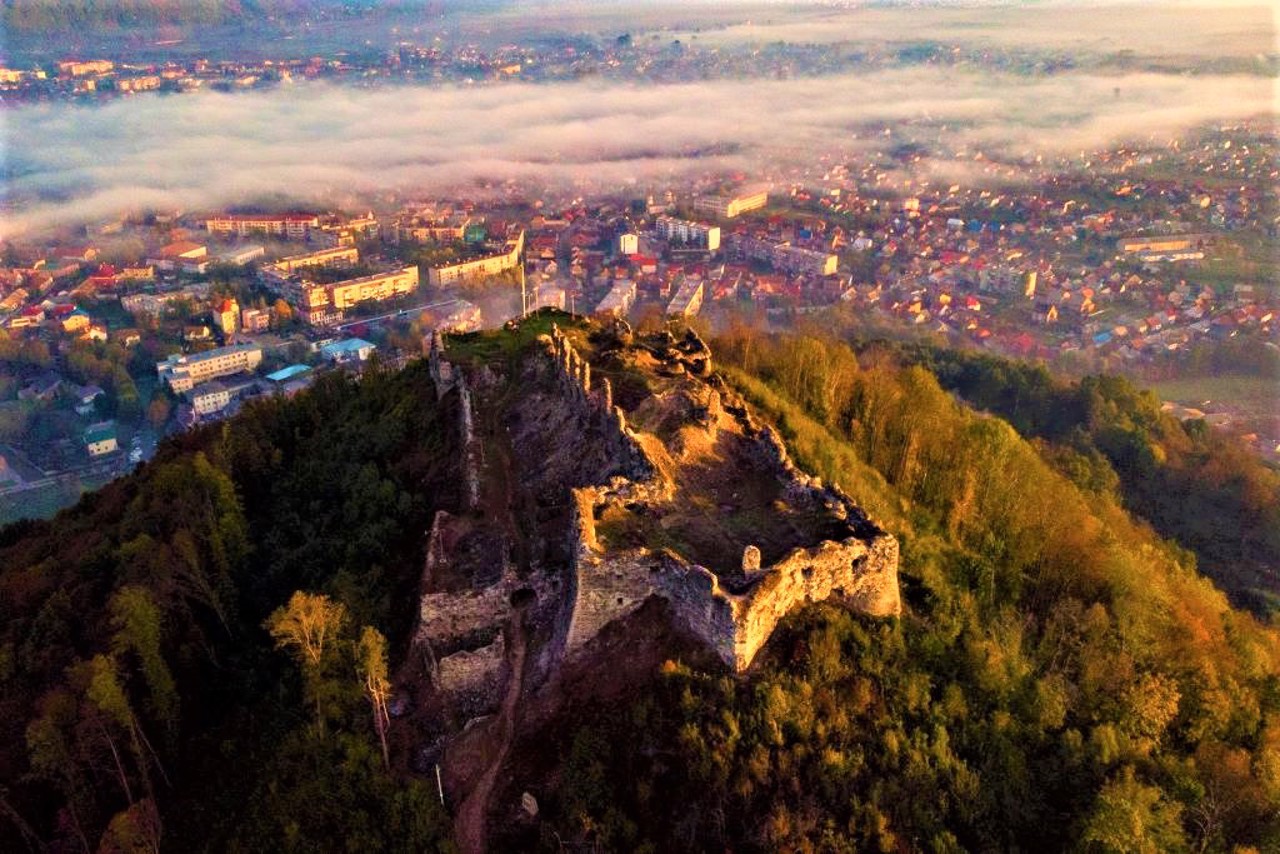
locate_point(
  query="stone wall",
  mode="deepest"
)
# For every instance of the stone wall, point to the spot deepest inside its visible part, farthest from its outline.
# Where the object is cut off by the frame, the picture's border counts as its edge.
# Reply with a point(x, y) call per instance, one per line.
point(593, 401)
point(466, 622)
point(704, 607)
point(737, 614)
point(578, 441)
point(864, 575)
point(472, 450)
point(474, 678)
point(609, 586)
point(442, 371)
point(603, 587)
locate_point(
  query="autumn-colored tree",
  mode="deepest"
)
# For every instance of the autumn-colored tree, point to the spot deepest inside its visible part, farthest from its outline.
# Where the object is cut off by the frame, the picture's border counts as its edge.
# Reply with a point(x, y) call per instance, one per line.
point(371, 665)
point(158, 411)
point(1130, 816)
point(283, 311)
point(309, 626)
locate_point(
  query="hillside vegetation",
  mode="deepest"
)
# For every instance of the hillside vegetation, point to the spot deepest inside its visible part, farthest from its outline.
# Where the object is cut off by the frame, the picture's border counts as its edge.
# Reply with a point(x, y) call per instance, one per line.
point(1193, 484)
point(196, 657)
point(1063, 679)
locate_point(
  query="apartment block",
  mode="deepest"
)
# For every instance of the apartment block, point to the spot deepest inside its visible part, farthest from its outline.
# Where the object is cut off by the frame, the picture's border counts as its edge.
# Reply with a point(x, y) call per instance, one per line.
point(184, 372)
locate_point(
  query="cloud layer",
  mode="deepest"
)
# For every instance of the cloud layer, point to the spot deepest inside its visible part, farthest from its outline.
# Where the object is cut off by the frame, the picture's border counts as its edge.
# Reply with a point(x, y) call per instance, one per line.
point(1192, 29)
point(317, 142)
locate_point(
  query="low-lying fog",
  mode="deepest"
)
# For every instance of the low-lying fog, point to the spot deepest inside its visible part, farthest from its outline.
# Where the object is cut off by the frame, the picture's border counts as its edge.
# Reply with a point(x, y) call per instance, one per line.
point(317, 142)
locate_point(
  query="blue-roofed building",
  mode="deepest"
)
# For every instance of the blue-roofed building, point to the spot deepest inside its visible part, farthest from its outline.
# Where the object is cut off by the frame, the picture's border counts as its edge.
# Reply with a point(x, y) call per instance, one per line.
point(349, 350)
point(285, 374)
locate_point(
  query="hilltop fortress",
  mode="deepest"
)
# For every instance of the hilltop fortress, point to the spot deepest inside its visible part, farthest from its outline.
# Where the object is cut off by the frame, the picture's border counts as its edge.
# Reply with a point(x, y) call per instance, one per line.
point(601, 470)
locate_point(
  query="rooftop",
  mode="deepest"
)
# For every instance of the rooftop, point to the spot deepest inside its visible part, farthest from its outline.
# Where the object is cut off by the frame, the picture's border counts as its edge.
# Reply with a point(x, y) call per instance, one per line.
point(100, 432)
point(346, 347)
point(287, 373)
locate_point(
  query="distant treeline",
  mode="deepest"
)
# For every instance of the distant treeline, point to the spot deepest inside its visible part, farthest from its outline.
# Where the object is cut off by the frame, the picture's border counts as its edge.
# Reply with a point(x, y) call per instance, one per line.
point(88, 16)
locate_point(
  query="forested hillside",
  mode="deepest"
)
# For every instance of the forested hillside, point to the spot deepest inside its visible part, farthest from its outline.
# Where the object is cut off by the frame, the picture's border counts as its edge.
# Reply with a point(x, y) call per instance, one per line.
point(1194, 484)
point(1062, 680)
point(143, 703)
point(197, 657)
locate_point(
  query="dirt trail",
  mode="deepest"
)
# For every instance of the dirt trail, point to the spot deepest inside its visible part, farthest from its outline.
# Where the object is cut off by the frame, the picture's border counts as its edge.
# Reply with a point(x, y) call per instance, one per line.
point(470, 823)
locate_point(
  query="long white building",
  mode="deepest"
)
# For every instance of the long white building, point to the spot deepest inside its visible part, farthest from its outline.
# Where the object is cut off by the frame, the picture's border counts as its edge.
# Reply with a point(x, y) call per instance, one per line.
point(293, 226)
point(478, 268)
point(184, 372)
point(782, 257)
point(728, 207)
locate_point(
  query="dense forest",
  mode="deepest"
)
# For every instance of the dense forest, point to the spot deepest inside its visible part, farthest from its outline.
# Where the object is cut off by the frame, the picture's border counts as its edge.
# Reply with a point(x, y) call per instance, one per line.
point(149, 695)
point(1195, 485)
point(197, 656)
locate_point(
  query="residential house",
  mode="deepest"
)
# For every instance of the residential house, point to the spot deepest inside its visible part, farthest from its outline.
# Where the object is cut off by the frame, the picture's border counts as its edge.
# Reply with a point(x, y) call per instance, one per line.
point(100, 439)
point(83, 396)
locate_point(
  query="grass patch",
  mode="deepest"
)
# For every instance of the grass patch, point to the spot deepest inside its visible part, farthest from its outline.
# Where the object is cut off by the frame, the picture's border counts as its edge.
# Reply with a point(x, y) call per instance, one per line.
point(818, 451)
point(498, 347)
point(43, 502)
point(1256, 397)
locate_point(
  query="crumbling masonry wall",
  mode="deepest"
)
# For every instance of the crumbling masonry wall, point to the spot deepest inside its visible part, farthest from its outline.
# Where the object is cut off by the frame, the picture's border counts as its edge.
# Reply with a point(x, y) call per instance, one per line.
point(733, 623)
point(459, 633)
point(734, 619)
point(593, 402)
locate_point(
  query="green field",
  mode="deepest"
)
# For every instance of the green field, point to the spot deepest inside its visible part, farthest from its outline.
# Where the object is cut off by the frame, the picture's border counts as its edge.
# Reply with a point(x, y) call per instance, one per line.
point(44, 501)
point(1250, 396)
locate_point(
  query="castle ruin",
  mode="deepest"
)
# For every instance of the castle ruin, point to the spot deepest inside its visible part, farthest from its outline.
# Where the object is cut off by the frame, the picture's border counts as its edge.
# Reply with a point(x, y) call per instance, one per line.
point(610, 479)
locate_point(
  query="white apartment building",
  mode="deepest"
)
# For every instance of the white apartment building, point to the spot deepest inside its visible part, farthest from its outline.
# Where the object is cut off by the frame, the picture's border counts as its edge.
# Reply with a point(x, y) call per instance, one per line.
point(688, 233)
point(184, 372)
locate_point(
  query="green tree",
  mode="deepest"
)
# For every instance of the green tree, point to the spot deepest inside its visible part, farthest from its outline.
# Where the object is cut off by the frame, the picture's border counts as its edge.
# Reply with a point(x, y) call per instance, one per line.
point(138, 625)
point(1130, 817)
